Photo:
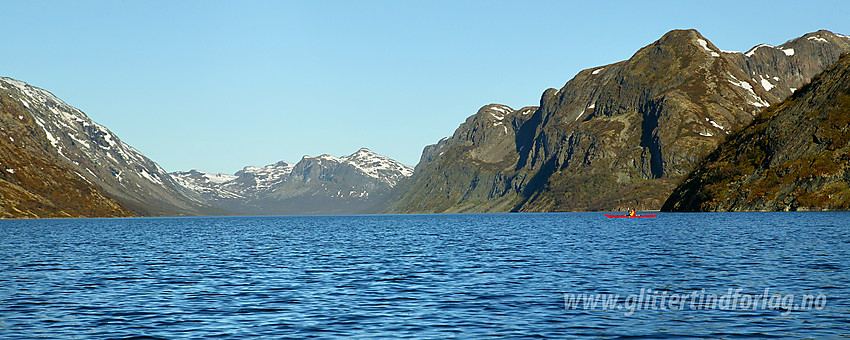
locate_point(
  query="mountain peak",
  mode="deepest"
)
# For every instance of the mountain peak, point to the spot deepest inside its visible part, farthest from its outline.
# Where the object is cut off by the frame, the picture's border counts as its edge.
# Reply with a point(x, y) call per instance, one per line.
point(689, 32)
point(680, 35)
point(826, 33)
point(327, 157)
point(674, 47)
point(687, 38)
point(364, 150)
point(377, 166)
point(821, 36)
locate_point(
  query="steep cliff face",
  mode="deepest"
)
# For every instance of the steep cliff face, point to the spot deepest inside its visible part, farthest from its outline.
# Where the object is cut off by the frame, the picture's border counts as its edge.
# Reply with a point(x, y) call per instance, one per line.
point(794, 156)
point(34, 183)
point(473, 170)
point(138, 183)
point(357, 183)
point(617, 135)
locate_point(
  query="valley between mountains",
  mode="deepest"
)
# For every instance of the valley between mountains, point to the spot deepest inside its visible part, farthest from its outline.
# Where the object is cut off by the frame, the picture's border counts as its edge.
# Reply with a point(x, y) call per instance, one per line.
point(672, 119)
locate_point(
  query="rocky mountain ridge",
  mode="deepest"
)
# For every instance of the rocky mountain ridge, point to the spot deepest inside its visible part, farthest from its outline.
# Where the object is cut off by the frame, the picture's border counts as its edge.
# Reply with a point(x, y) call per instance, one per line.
point(617, 135)
point(34, 180)
point(355, 183)
point(794, 156)
point(137, 182)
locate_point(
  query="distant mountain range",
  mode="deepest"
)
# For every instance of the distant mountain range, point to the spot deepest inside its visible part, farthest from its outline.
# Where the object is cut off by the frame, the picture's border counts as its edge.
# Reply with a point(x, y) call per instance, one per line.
point(618, 135)
point(357, 183)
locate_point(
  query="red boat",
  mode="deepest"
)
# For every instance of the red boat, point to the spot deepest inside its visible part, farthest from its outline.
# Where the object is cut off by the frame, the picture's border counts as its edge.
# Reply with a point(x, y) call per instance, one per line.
point(629, 216)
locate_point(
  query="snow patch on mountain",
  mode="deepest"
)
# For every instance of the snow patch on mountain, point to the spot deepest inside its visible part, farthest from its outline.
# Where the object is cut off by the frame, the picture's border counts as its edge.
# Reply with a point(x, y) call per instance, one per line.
point(741, 84)
point(502, 108)
point(715, 124)
point(752, 51)
point(704, 45)
point(378, 166)
point(498, 111)
point(326, 157)
point(255, 179)
point(754, 99)
point(205, 183)
point(219, 178)
point(766, 84)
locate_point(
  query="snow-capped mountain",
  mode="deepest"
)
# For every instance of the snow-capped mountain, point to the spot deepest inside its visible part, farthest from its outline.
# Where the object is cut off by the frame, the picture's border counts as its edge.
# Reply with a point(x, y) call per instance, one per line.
point(379, 167)
point(355, 183)
point(137, 182)
point(34, 180)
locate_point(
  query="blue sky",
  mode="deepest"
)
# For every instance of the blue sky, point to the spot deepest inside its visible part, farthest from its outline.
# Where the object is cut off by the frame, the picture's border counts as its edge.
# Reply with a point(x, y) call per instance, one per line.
point(218, 85)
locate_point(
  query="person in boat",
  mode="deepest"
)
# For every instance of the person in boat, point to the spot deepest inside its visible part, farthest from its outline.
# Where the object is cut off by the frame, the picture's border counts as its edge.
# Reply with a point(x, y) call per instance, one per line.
point(632, 212)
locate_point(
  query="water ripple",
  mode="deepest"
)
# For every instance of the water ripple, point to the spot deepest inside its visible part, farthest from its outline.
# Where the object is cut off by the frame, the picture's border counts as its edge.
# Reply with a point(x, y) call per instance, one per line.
point(416, 276)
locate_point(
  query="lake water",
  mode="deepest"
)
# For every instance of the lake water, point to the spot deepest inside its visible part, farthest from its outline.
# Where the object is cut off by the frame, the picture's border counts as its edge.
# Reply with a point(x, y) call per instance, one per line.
point(427, 276)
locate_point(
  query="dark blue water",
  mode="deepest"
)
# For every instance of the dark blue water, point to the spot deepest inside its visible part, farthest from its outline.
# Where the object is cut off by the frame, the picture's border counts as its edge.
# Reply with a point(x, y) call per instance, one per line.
point(420, 276)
